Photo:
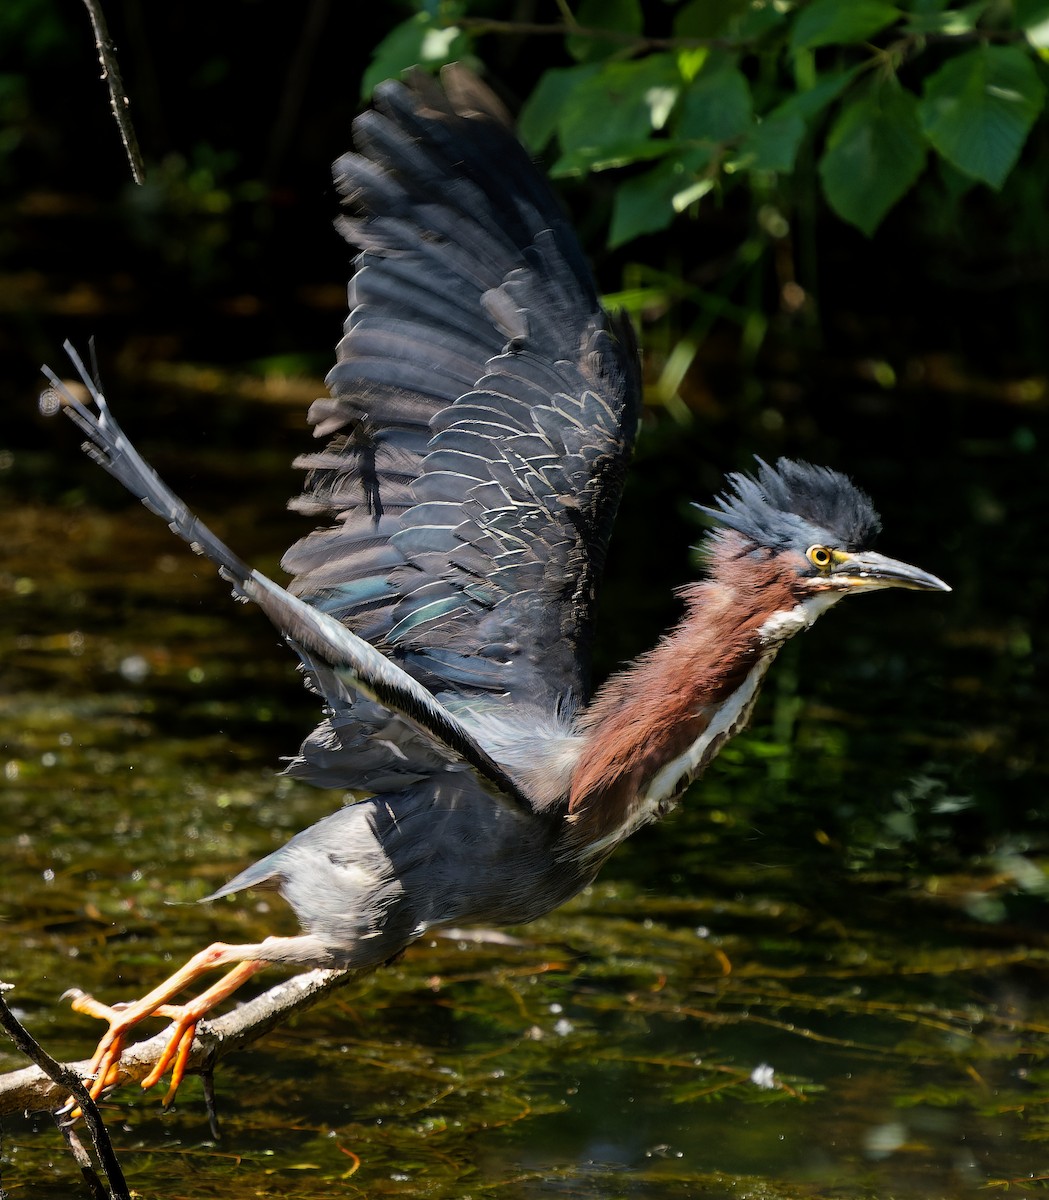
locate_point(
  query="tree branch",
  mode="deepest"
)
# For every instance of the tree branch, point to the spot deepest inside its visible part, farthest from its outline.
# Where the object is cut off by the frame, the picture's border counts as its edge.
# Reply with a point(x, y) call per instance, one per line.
point(32, 1090)
point(118, 101)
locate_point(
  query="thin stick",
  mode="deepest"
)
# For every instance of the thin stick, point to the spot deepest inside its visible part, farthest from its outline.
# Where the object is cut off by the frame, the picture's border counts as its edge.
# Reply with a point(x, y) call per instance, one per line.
point(82, 1159)
point(69, 1081)
point(118, 100)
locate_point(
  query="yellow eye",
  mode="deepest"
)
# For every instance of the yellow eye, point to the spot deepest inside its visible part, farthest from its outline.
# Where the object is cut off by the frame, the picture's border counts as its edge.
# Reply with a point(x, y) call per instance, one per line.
point(819, 556)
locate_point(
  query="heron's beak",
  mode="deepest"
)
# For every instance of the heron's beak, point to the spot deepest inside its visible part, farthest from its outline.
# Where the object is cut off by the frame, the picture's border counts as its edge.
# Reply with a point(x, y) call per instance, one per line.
point(868, 570)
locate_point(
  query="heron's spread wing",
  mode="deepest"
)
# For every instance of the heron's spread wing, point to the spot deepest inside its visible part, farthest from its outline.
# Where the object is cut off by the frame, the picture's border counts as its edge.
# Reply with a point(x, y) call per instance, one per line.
point(394, 730)
point(481, 415)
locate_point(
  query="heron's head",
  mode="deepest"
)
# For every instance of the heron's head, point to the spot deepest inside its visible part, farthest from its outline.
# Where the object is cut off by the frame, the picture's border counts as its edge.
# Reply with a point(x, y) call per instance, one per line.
point(815, 524)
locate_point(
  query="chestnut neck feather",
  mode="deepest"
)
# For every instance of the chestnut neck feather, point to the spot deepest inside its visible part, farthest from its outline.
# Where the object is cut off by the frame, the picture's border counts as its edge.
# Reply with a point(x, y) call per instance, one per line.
point(649, 714)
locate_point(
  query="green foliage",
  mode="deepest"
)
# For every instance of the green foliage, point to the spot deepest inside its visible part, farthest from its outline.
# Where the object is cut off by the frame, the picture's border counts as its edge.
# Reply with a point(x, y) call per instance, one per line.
point(612, 115)
point(430, 38)
point(676, 183)
point(772, 144)
point(541, 114)
point(852, 96)
point(979, 108)
point(875, 152)
point(619, 16)
point(832, 23)
point(717, 107)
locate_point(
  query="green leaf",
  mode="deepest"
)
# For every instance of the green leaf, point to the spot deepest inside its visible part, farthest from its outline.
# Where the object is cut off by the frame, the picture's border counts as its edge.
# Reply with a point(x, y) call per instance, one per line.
point(622, 153)
point(811, 102)
point(707, 18)
point(716, 106)
point(620, 105)
point(772, 144)
point(621, 16)
point(544, 108)
point(648, 203)
point(754, 22)
point(952, 22)
point(421, 41)
point(690, 62)
point(831, 22)
point(978, 109)
point(875, 151)
point(1026, 12)
point(1032, 16)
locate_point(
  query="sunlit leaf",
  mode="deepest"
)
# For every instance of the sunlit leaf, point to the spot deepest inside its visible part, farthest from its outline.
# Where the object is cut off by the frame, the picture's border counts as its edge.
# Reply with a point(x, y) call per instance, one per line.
point(690, 61)
point(978, 108)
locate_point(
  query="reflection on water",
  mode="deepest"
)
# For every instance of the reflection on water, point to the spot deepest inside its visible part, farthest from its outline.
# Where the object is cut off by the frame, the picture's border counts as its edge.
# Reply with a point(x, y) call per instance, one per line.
point(825, 975)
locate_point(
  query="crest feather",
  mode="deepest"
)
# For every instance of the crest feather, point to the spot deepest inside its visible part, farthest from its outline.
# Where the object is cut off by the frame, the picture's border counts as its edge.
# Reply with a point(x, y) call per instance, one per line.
point(796, 504)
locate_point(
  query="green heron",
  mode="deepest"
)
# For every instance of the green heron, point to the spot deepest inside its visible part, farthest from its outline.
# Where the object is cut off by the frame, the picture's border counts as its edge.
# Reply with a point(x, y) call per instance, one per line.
point(481, 416)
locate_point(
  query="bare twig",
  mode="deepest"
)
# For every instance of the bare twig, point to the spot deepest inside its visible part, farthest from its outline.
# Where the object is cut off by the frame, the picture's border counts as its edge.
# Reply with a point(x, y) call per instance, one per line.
point(118, 101)
point(82, 1159)
point(34, 1089)
point(67, 1081)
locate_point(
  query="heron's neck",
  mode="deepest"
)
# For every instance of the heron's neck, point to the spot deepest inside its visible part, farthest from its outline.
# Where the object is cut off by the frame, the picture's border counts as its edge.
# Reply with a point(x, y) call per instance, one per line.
point(655, 726)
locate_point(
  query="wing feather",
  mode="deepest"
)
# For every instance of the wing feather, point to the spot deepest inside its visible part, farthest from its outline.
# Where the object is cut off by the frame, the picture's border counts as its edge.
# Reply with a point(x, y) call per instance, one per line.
point(481, 414)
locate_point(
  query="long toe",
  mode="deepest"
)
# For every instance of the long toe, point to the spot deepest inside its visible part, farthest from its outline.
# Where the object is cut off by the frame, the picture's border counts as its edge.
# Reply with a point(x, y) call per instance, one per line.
point(103, 1072)
point(106, 1070)
point(81, 1002)
point(177, 1050)
point(178, 1069)
point(105, 1062)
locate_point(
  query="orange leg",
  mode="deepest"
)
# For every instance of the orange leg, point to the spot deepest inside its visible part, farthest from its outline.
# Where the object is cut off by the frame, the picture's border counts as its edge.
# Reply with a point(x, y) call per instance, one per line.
point(181, 1042)
point(105, 1065)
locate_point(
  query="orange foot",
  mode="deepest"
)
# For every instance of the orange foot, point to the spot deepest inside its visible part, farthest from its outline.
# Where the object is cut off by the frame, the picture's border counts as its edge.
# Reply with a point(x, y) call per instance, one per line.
point(104, 1070)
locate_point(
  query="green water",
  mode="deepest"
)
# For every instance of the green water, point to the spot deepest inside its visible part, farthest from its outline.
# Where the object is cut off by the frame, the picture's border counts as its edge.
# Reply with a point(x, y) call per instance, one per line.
point(825, 976)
